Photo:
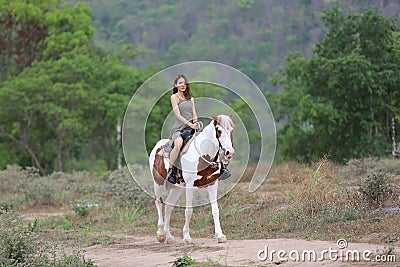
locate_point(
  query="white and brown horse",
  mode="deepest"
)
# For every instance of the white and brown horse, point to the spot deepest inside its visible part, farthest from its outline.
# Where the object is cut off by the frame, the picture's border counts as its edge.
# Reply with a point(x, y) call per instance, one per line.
point(200, 168)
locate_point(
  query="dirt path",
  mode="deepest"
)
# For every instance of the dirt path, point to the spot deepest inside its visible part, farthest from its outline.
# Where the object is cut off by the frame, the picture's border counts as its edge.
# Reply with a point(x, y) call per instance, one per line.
point(146, 251)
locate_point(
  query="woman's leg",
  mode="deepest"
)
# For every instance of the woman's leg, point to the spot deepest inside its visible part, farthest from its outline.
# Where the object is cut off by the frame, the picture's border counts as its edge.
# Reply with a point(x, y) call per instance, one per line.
point(172, 158)
point(175, 151)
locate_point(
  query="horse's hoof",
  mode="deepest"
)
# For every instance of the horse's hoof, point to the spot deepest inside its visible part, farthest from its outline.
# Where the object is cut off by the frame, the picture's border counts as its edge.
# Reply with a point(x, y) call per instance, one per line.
point(222, 239)
point(161, 238)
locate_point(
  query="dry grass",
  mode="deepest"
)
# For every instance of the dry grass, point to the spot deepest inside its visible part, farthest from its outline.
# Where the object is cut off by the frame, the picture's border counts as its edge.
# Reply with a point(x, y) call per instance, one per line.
point(310, 201)
point(314, 201)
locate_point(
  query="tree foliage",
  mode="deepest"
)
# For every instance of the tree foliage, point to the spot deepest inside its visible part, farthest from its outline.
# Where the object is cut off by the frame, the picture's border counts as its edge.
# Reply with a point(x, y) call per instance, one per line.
point(22, 34)
point(64, 104)
point(339, 102)
point(252, 36)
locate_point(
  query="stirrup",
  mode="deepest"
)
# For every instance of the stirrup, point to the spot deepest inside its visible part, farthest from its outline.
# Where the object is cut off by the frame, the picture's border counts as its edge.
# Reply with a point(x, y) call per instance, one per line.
point(225, 174)
point(171, 177)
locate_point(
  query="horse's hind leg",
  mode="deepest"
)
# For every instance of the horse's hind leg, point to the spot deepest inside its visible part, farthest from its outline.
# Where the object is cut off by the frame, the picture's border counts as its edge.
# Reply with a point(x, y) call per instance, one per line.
point(188, 213)
point(212, 194)
point(159, 204)
point(173, 196)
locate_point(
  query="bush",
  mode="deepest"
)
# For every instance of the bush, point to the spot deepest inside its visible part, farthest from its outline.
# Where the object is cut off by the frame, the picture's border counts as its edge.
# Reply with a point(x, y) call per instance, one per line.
point(120, 185)
point(12, 179)
point(25, 185)
point(20, 245)
point(183, 261)
point(42, 189)
point(86, 205)
point(376, 189)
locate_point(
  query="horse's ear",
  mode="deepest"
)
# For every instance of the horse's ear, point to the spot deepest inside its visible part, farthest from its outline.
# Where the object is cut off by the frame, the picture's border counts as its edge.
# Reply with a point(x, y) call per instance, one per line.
point(214, 118)
point(230, 114)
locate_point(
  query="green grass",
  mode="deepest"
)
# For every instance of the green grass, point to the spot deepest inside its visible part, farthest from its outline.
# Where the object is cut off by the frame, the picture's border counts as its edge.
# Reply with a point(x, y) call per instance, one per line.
point(188, 261)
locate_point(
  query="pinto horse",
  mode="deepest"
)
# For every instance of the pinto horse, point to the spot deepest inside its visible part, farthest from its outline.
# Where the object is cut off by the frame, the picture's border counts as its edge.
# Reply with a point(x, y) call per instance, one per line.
point(200, 168)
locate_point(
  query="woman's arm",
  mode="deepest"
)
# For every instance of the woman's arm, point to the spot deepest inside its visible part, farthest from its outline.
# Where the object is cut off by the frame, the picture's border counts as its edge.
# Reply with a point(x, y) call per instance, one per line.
point(194, 111)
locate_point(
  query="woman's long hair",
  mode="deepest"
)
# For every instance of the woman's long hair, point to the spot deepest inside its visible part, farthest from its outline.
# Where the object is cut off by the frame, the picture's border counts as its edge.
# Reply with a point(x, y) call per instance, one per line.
point(188, 93)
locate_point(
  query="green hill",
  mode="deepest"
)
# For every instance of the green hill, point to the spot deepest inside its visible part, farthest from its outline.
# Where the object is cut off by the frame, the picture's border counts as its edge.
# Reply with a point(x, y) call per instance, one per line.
point(252, 36)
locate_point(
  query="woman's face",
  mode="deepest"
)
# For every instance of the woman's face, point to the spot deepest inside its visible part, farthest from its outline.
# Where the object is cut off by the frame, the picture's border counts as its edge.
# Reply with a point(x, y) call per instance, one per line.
point(181, 84)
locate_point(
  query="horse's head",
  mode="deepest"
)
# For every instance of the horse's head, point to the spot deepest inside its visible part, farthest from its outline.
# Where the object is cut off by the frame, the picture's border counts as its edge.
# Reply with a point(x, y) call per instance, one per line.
point(223, 129)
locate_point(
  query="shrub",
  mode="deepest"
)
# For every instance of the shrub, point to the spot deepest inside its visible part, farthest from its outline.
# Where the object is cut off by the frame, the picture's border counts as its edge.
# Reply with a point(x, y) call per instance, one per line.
point(20, 245)
point(120, 185)
point(25, 185)
point(41, 189)
point(81, 210)
point(86, 205)
point(17, 243)
point(12, 179)
point(376, 189)
point(183, 261)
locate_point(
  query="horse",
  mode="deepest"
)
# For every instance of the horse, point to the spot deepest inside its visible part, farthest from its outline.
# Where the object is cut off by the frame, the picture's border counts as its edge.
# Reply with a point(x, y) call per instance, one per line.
point(200, 167)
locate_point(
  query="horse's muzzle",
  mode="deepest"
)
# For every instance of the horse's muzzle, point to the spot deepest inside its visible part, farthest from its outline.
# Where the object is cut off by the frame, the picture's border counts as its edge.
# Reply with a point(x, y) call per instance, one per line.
point(229, 154)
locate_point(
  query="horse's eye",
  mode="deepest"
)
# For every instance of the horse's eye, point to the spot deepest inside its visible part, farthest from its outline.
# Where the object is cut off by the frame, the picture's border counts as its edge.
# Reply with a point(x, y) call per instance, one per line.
point(219, 132)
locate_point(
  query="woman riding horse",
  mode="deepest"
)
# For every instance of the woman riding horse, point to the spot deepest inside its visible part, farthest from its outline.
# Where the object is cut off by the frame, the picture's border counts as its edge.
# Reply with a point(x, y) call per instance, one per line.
point(200, 169)
point(184, 126)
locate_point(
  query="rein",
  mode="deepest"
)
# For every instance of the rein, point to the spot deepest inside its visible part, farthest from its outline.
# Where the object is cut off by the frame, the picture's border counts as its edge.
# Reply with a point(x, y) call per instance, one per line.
point(220, 149)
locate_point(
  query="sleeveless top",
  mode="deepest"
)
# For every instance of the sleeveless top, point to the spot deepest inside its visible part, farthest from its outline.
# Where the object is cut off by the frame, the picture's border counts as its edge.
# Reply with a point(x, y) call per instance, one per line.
point(186, 110)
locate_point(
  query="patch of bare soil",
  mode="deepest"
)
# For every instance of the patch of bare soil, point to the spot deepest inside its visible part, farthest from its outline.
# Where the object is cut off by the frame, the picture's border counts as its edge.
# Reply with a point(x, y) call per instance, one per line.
point(146, 251)
point(41, 215)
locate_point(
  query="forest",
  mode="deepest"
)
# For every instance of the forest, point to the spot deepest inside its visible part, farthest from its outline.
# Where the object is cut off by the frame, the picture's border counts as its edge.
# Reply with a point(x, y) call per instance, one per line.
point(329, 70)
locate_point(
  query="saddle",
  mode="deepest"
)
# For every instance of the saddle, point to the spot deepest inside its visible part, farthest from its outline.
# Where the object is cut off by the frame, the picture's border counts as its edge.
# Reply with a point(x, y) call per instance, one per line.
point(187, 140)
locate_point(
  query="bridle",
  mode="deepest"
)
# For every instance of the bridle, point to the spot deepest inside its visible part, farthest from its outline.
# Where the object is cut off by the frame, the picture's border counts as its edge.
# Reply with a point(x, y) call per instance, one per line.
point(220, 152)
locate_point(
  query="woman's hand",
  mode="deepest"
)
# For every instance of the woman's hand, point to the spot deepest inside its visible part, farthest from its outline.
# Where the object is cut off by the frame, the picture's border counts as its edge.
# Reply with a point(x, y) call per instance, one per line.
point(194, 125)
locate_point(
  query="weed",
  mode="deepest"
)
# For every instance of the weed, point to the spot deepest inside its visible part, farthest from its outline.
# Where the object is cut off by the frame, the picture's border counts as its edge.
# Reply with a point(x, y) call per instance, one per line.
point(62, 223)
point(387, 250)
point(315, 200)
point(391, 239)
point(86, 205)
point(376, 189)
point(81, 210)
point(76, 259)
point(21, 245)
point(125, 215)
point(183, 261)
point(209, 263)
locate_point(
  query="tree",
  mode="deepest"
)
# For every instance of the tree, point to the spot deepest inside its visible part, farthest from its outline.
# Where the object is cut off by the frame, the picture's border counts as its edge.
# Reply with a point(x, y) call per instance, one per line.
point(339, 101)
point(34, 30)
point(65, 99)
point(65, 106)
point(22, 34)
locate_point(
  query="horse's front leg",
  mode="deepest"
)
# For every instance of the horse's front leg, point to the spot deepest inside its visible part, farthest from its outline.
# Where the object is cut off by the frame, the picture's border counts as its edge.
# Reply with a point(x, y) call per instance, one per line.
point(173, 196)
point(212, 194)
point(188, 212)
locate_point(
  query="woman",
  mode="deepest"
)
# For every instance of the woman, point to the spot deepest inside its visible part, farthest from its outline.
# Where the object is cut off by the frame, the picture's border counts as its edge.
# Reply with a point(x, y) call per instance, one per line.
point(185, 118)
